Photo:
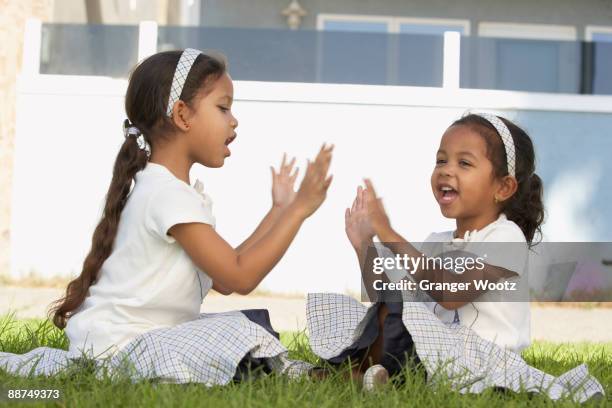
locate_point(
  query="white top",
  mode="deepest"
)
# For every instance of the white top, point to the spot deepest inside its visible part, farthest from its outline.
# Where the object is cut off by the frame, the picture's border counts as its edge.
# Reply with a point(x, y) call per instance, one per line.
point(504, 323)
point(148, 281)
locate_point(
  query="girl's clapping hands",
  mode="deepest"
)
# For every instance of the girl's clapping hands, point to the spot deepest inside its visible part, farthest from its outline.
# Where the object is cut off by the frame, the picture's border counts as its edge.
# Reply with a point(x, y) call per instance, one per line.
point(283, 181)
point(377, 215)
point(356, 222)
point(313, 189)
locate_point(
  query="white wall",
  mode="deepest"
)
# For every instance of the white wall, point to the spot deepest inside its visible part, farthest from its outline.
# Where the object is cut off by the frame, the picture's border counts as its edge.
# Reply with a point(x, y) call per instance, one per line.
point(69, 130)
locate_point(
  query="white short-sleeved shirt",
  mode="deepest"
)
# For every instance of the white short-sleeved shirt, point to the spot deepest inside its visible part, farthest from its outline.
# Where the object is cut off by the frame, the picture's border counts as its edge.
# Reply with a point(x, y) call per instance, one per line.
point(504, 323)
point(148, 281)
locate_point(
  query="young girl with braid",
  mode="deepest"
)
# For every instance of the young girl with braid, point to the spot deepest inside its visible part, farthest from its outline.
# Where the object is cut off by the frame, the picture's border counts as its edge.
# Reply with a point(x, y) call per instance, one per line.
point(155, 253)
point(484, 178)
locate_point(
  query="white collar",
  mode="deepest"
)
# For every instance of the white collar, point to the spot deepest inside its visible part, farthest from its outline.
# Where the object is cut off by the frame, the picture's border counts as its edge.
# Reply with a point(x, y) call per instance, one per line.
point(156, 168)
point(469, 235)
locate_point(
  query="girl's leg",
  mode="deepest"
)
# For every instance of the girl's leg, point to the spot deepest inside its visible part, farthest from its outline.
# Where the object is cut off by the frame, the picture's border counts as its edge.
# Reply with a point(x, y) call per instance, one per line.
point(372, 356)
point(375, 352)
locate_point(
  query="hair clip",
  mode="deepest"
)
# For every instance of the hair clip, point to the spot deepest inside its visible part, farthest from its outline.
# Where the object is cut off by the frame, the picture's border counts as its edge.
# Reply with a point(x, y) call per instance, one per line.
point(131, 130)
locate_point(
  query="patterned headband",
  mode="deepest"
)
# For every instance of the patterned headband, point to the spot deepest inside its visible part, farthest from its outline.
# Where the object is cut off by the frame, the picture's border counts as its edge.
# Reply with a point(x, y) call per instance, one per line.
point(506, 137)
point(180, 75)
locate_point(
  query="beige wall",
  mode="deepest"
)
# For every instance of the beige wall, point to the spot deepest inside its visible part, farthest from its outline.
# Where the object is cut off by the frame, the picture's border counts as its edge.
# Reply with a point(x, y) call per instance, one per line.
point(13, 15)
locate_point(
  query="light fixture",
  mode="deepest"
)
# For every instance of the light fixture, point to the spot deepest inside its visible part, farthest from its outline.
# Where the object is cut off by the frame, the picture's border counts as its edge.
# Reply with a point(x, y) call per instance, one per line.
point(294, 13)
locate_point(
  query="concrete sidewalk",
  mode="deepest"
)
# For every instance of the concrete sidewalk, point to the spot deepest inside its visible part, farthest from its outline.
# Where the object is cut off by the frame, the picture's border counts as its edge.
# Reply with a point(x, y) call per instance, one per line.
point(557, 324)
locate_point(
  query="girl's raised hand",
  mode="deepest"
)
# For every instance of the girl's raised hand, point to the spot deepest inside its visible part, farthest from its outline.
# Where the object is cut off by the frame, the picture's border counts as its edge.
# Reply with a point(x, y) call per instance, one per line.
point(283, 181)
point(356, 222)
point(376, 211)
point(313, 189)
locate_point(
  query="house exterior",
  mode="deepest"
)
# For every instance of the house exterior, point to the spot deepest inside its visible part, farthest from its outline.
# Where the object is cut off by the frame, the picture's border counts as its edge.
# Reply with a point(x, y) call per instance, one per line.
point(584, 17)
point(558, 46)
point(566, 19)
point(370, 76)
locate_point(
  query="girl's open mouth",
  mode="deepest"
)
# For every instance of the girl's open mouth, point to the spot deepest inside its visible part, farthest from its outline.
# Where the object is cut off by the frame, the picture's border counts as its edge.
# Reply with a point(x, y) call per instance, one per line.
point(449, 195)
point(227, 142)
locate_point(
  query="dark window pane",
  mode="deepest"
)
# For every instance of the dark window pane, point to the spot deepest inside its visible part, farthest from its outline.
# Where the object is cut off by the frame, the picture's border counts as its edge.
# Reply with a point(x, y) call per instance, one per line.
point(355, 58)
point(521, 65)
point(317, 56)
point(602, 68)
point(77, 49)
point(421, 60)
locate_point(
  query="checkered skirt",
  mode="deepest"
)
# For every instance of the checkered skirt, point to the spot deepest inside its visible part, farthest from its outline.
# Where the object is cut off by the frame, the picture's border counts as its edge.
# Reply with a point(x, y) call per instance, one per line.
point(207, 350)
point(449, 352)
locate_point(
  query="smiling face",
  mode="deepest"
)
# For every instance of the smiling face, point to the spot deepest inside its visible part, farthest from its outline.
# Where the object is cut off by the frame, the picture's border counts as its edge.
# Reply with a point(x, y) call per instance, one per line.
point(213, 126)
point(463, 181)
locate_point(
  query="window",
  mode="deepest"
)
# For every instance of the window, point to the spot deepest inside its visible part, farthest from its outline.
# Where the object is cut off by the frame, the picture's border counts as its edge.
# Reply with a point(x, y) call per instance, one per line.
point(528, 57)
point(360, 49)
point(354, 49)
point(420, 56)
point(599, 55)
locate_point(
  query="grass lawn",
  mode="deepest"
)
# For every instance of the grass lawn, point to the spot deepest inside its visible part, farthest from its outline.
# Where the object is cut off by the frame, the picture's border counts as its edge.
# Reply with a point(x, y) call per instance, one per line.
point(80, 388)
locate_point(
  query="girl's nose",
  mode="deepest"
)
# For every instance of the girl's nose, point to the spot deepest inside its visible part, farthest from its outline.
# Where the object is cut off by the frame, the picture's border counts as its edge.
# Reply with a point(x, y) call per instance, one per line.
point(445, 171)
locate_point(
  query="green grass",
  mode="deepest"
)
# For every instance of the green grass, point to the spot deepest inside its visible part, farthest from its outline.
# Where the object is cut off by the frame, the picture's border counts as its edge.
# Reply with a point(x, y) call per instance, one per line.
point(80, 387)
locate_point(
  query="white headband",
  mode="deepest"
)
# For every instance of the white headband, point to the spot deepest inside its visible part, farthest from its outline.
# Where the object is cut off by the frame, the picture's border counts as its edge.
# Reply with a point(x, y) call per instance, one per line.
point(180, 75)
point(506, 137)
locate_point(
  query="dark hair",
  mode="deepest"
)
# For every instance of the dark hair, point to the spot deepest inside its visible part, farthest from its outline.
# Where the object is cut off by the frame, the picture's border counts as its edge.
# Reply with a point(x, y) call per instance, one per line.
point(146, 102)
point(525, 207)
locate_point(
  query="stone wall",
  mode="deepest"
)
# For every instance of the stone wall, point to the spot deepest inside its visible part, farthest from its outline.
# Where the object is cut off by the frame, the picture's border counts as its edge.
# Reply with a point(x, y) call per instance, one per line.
point(13, 15)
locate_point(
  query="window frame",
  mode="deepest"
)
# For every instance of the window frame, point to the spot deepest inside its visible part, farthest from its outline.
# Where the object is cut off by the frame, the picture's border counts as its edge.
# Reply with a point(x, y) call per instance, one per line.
point(592, 29)
point(398, 21)
point(393, 23)
point(323, 17)
point(522, 31)
point(393, 27)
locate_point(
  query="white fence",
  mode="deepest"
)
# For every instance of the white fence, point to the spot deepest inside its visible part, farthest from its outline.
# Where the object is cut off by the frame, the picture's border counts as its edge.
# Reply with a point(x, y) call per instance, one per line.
point(69, 129)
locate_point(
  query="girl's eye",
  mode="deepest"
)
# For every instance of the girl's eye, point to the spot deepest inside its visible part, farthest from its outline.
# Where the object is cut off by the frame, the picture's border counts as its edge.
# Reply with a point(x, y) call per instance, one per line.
point(223, 108)
point(440, 161)
point(464, 163)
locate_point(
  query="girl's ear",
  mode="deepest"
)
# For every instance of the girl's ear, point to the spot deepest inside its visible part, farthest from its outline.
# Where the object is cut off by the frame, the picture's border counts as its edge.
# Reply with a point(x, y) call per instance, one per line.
point(181, 114)
point(506, 189)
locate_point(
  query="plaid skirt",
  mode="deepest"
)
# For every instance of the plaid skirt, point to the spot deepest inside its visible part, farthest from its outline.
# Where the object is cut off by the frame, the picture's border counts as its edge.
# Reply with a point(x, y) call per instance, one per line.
point(449, 353)
point(213, 350)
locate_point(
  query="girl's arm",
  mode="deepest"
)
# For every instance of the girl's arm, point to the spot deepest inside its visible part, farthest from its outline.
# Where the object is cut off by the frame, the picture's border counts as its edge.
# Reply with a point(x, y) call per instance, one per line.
point(264, 226)
point(397, 244)
point(241, 272)
point(231, 271)
point(282, 195)
point(360, 233)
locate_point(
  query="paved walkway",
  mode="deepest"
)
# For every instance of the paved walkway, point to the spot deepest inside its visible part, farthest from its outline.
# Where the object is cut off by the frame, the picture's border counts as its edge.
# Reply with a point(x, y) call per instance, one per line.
point(288, 314)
